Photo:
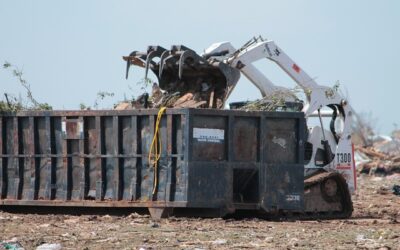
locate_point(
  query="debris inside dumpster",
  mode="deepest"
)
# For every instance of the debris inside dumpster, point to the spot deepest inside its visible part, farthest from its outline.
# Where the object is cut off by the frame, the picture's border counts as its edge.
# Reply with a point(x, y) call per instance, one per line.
point(274, 102)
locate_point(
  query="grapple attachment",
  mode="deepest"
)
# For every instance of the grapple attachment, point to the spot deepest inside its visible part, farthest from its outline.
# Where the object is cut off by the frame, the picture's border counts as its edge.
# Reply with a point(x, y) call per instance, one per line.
point(181, 71)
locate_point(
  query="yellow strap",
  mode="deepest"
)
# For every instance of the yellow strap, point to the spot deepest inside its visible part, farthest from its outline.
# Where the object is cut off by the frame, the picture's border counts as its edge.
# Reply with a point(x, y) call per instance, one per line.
point(156, 147)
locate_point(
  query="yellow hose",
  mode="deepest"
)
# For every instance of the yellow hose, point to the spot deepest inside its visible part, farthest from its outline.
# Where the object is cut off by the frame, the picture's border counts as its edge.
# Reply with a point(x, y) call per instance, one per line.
point(156, 147)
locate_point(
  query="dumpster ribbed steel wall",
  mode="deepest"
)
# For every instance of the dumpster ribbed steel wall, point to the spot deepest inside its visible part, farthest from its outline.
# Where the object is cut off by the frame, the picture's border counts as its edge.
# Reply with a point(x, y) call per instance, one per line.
point(100, 158)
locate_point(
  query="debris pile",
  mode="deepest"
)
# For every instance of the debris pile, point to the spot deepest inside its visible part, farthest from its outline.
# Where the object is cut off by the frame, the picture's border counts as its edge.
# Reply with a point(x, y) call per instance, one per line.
point(185, 79)
point(383, 157)
point(275, 102)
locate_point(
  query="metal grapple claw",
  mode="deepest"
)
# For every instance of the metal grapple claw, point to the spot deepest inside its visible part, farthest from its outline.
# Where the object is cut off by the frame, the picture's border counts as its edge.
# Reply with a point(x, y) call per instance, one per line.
point(192, 56)
point(128, 63)
point(182, 70)
point(163, 57)
point(170, 58)
point(135, 57)
point(152, 51)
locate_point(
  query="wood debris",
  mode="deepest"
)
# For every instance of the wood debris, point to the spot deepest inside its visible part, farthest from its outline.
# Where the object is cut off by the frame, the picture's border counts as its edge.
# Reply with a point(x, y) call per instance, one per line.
point(183, 99)
point(374, 162)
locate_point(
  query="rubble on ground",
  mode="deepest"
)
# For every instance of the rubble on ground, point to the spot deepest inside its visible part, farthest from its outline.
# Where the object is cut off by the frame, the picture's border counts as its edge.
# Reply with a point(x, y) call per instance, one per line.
point(374, 224)
point(11, 244)
point(382, 157)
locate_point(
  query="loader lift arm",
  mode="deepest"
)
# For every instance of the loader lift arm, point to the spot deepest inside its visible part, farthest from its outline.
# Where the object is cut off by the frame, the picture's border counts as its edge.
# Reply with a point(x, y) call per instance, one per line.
point(318, 96)
point(226, 49)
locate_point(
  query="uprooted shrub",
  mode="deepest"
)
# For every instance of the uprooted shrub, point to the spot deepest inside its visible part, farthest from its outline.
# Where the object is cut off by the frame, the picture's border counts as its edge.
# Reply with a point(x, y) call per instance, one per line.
point(13, 104)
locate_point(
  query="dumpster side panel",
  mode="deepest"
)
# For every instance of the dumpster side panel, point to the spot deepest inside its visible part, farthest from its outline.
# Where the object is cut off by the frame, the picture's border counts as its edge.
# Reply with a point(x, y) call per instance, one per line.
point(164, 164)
point(128, 146)
point(11, 163)
point(210, 185)
point(281, 135)
point(209, 138)
point(2, 159)
point(245, 158)
point(111, 164)
point(221, 146)
point(92, 171)
point(245, 140)
point(25, 163)
point(43, 169)
point(146, 126)
point(59, 161)
point(284, 187)
point(177, 182)
point(284, 169)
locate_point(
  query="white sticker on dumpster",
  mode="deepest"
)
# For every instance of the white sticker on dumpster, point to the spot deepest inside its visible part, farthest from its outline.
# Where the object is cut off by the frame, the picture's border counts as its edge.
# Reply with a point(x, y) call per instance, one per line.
point(292, 197)
point(208, 134)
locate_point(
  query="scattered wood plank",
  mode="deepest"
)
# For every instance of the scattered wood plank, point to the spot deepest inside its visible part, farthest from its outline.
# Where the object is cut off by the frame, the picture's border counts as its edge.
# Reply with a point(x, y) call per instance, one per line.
point(191, 104)
point(372, 152)
point(183, 99)
point(211, 102)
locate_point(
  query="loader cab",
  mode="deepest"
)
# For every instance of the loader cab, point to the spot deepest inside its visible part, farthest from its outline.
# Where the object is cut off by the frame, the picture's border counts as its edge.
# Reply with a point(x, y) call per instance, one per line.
point(324, 131)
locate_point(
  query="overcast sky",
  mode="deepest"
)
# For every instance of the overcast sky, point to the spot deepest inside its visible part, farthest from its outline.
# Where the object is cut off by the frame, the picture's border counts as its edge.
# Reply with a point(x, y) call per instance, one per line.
point(71, 50)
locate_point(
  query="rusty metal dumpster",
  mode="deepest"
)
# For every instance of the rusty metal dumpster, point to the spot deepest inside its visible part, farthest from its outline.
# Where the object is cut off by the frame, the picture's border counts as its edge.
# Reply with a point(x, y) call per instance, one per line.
point(210, 160)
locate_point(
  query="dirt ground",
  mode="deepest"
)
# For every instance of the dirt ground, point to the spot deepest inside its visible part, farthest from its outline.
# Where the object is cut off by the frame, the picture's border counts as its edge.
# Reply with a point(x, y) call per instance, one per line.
point(375, 224)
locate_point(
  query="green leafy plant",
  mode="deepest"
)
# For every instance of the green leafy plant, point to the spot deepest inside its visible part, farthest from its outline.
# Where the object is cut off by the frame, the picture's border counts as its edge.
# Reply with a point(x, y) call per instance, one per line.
point(101, 95)
point(83, 106)
point(144, 83)
point(13, 104)
point(274, 102)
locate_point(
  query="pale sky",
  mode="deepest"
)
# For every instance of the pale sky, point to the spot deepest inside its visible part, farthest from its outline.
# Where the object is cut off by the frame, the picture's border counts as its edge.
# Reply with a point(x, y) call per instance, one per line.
point(71, 50)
